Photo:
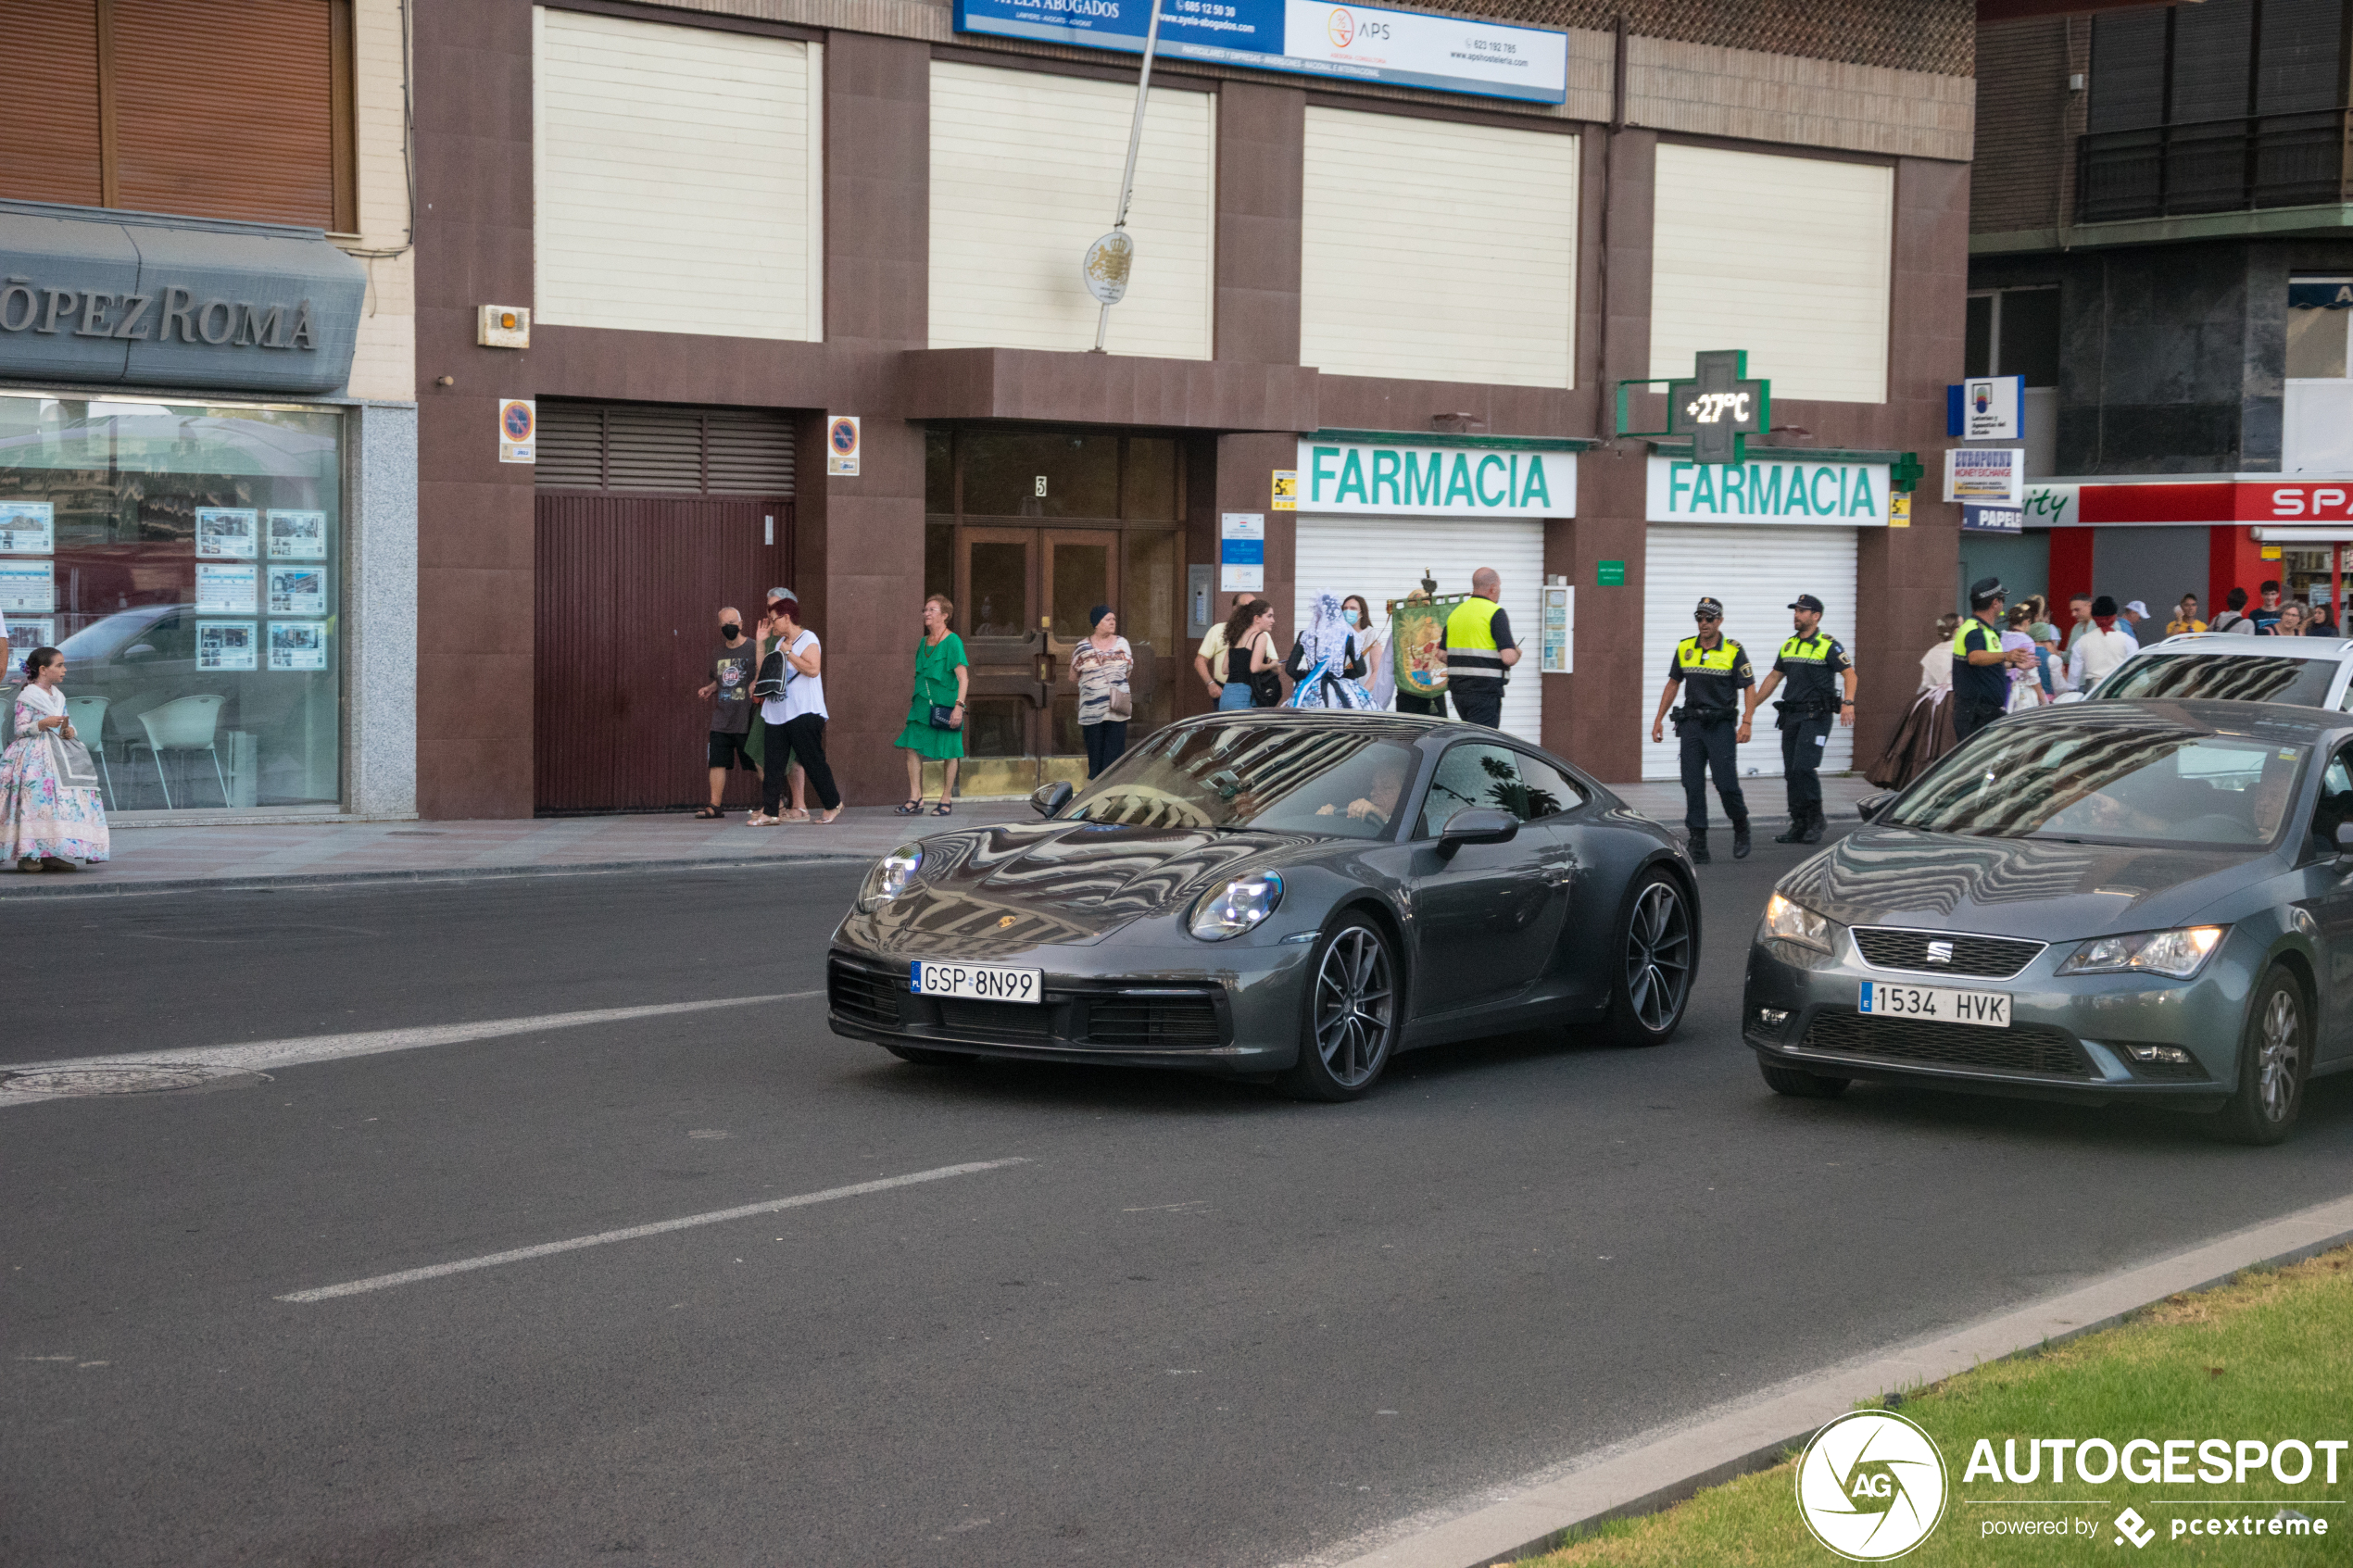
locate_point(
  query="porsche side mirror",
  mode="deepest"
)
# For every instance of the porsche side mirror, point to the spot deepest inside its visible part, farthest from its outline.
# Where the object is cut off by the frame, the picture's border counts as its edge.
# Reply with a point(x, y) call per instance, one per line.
point(1047, 799)
point(1477, 824)
point(2344, 841)
point(1871, 806)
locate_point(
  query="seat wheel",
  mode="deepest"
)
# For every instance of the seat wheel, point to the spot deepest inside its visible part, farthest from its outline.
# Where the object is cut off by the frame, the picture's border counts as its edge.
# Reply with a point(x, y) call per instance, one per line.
point(1351, 1014)
point(1658, 948)
point(2275, 1058)
point(1801, 1086)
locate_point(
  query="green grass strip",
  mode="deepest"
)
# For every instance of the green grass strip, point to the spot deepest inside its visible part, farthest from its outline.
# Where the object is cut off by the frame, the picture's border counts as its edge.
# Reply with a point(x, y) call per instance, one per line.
point(2269, 1356)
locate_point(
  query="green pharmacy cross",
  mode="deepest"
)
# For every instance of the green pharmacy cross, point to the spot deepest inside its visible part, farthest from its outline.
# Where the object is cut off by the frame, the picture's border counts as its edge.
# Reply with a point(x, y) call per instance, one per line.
point(1718, 408)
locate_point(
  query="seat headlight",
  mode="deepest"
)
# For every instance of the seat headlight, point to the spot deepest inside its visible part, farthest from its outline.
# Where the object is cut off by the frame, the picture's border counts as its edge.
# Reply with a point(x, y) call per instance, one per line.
point(892, 875)
point(1789, 922)
point(1238, 907)
point(2179, 953)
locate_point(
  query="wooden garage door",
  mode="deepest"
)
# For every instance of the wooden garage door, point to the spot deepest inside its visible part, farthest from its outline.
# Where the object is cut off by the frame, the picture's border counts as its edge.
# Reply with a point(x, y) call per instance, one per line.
point(628, 587)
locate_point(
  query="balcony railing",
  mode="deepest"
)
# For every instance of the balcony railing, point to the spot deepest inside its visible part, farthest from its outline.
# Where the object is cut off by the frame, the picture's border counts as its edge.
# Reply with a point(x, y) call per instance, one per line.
point(2213, 165)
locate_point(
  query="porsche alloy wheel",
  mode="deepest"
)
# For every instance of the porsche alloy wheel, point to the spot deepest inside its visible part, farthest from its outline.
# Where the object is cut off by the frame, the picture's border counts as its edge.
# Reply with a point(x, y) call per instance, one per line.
point(1656, 954)
point(1351, 1014)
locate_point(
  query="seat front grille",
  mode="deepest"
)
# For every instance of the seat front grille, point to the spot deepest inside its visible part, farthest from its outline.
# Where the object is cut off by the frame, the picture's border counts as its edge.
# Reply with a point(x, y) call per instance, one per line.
point(1986, 957)
point(2033, 1049)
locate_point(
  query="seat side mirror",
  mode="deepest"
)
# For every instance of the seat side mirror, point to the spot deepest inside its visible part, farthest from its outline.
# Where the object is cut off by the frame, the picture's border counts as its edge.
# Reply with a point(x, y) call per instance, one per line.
point(1477, 824)
point(1871, 806)
point(1047, 799)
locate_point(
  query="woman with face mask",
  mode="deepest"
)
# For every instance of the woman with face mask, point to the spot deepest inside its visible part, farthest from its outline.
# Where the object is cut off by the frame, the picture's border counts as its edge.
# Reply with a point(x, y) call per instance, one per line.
point(1372, 647)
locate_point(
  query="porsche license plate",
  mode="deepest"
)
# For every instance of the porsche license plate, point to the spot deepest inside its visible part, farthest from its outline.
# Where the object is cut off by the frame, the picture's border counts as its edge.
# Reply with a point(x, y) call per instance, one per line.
point(985, 982)
point(1989, 1008)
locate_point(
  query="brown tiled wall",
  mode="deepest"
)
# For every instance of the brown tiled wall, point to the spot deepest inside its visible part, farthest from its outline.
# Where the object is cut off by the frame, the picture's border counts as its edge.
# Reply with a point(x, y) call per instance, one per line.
point(2027, 122)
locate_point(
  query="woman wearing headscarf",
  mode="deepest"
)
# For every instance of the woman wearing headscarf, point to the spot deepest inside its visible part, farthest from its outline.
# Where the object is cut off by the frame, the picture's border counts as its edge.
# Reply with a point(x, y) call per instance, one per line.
point(1325, 664)
point(1099, 666)
point(1372, 647)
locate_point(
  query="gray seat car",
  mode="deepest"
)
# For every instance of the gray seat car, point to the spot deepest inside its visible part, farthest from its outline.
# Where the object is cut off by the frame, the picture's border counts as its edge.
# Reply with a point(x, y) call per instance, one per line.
point(2308, 671)
point(2106, 901)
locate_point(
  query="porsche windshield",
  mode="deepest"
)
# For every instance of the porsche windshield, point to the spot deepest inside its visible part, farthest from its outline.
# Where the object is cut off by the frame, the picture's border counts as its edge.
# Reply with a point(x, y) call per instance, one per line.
point(2233, 677)
point(1283, 777)
point(2161, 783)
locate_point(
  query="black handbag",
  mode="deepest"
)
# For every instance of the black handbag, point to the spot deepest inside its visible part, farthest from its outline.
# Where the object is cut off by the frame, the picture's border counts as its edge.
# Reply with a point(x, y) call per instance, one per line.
point(945, 717)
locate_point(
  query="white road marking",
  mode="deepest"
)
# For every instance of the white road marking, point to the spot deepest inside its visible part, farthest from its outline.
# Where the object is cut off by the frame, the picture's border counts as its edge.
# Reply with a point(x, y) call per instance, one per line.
point(603, 1238)
point(260, 1056)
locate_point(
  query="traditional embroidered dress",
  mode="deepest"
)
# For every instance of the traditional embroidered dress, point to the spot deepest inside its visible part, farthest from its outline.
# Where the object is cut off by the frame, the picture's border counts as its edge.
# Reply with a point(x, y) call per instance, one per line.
point(38, 816)
point(1327, 649)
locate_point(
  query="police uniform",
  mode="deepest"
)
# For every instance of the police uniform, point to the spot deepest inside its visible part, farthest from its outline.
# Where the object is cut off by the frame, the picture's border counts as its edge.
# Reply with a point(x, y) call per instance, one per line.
point(1712, 680)
point(1476, 634)
point(1980, 692)
point(1811, 696)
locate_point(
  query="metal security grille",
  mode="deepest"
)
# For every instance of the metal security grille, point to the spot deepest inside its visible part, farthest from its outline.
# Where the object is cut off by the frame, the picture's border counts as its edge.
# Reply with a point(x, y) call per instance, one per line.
point(1990, 957)
point(2035, 1049)
point(664, 449)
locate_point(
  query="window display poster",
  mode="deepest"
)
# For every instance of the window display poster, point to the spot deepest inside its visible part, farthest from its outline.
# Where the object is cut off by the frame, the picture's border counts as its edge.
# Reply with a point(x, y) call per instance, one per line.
point(28, 586)
point(298, 644)
point(297, 590)
point(28, 528)
point(298, 535)
point(227, 645)
point(26, 634)
point(227, 533)
point(221, 589)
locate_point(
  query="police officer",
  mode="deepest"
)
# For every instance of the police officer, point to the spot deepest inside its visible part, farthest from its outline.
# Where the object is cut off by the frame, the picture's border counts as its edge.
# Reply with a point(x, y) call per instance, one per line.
point(1480, 652)
point(1981, 670)
point(1716, 669)
point(1813, 663)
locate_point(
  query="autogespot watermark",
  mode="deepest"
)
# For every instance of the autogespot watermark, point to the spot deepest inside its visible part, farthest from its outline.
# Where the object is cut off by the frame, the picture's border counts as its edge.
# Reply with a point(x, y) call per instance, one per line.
point(1871, 1485)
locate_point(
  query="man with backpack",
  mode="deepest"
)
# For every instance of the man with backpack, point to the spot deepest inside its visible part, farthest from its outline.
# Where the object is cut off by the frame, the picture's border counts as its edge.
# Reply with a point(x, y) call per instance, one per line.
point(2234, 617)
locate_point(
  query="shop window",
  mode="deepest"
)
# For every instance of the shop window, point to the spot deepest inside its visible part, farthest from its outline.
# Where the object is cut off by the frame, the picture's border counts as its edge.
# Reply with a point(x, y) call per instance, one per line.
point(939, 560)
point(1040, 475)
point(2316, 423)
point(134, 93)
point(939, 473)
point(1150, 479)
point(187, 561)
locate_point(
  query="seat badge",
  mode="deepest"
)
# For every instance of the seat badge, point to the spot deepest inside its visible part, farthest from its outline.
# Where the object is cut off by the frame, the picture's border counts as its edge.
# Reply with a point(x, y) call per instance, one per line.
point(1940, 952)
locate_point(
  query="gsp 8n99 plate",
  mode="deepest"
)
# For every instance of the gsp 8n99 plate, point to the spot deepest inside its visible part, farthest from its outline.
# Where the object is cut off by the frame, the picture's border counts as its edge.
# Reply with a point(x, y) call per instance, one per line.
point(1989, 1008)
point(985, 982)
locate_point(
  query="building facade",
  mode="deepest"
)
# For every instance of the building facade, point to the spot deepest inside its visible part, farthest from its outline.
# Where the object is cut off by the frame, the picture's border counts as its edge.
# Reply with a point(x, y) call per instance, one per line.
point(208, 414)
point(2158, 244)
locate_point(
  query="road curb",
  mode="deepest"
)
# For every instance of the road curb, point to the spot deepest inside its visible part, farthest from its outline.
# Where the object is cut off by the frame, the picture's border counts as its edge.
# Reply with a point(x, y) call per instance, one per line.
point(63, 888)
point(1667, 1465)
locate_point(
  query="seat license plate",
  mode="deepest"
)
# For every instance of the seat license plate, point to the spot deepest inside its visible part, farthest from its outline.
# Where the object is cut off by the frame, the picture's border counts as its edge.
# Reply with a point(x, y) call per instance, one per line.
point(1989, 1008)
point(985, 982)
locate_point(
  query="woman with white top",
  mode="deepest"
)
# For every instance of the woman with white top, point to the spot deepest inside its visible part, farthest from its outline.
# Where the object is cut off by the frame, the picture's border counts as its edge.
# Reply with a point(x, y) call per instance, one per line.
point(1372, 647)
point(792, 684)
point(44, 823)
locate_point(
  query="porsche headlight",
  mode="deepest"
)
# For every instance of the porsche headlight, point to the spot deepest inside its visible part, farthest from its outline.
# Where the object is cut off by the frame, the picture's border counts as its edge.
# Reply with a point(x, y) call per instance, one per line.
point(1238, 907)
point(892, 876)
point(1788, 921)
point(2177, 954)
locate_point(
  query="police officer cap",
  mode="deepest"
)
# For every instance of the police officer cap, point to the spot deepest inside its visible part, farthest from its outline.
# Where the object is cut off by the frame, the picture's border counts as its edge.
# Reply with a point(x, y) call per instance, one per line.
point(1709, 607)
point(1807, 601)
point(1985, 591)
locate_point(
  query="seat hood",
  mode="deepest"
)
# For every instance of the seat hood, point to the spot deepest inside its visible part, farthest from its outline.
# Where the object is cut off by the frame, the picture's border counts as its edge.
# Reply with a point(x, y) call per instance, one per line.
point(1004, 890)
point(2043, 889)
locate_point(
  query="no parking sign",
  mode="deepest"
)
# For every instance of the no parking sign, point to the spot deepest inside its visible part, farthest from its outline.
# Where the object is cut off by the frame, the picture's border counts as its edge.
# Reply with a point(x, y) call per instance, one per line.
point(518, 430)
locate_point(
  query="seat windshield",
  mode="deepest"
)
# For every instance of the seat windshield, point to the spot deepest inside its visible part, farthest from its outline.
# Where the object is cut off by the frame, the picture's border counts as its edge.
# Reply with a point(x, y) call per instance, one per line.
point(2230, 677)
point(2128, 783)
point(1280, 777)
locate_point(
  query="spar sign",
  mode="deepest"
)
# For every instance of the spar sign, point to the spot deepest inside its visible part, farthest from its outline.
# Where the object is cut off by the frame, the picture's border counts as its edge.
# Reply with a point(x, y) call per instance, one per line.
point(1404, 478)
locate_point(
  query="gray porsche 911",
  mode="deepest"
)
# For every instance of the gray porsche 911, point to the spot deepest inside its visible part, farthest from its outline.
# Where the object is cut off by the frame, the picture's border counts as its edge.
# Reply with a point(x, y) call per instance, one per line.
point(1274, 894)
point(2106, 901)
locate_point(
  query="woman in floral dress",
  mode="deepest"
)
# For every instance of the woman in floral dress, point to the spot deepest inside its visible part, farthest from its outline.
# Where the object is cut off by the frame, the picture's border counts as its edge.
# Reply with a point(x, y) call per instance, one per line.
point(44, 825)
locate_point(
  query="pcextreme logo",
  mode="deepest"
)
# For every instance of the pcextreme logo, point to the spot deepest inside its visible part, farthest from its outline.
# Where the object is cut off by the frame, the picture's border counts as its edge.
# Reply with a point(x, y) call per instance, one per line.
point(1871, 1485)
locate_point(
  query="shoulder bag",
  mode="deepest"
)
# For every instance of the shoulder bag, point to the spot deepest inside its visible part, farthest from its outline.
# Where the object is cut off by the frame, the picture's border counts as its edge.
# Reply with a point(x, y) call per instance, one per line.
point(942, 715)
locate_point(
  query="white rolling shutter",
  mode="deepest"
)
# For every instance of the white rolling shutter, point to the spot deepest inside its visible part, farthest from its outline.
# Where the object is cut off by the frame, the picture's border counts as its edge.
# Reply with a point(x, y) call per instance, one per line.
point(1788, 258)
point(1756, 571)
point(1436, 251)
point(1386, 559)
point(1025, 174)
point(679, 178)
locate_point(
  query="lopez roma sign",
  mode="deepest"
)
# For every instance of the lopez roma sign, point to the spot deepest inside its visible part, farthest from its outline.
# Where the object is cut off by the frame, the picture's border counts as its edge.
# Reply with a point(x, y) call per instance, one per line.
point(1402, 479)
point(1769, 490)
point(1304, 37)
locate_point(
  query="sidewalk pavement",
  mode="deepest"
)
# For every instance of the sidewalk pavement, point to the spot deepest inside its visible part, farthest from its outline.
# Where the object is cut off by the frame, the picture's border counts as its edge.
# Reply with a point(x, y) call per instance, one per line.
point(155, 860)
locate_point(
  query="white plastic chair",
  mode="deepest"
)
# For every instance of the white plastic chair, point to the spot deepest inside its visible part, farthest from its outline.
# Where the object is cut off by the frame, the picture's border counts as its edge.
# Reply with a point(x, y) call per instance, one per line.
point(88, 717)
point(186, 723)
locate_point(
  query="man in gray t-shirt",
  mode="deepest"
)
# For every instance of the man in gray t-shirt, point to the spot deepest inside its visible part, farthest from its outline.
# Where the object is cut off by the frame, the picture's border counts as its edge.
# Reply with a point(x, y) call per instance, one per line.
point(733, 666)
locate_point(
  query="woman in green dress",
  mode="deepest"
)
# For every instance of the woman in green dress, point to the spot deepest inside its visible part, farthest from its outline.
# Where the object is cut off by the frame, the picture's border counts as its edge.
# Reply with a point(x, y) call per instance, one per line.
point(941, 679)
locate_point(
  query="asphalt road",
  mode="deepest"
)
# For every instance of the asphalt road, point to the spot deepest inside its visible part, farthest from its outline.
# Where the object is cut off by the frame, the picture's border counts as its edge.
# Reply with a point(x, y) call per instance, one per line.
point(1197, 1325)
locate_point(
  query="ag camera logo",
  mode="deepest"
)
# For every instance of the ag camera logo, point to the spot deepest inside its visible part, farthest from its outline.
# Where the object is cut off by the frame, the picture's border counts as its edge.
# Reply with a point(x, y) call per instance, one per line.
point(1871, 1485)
